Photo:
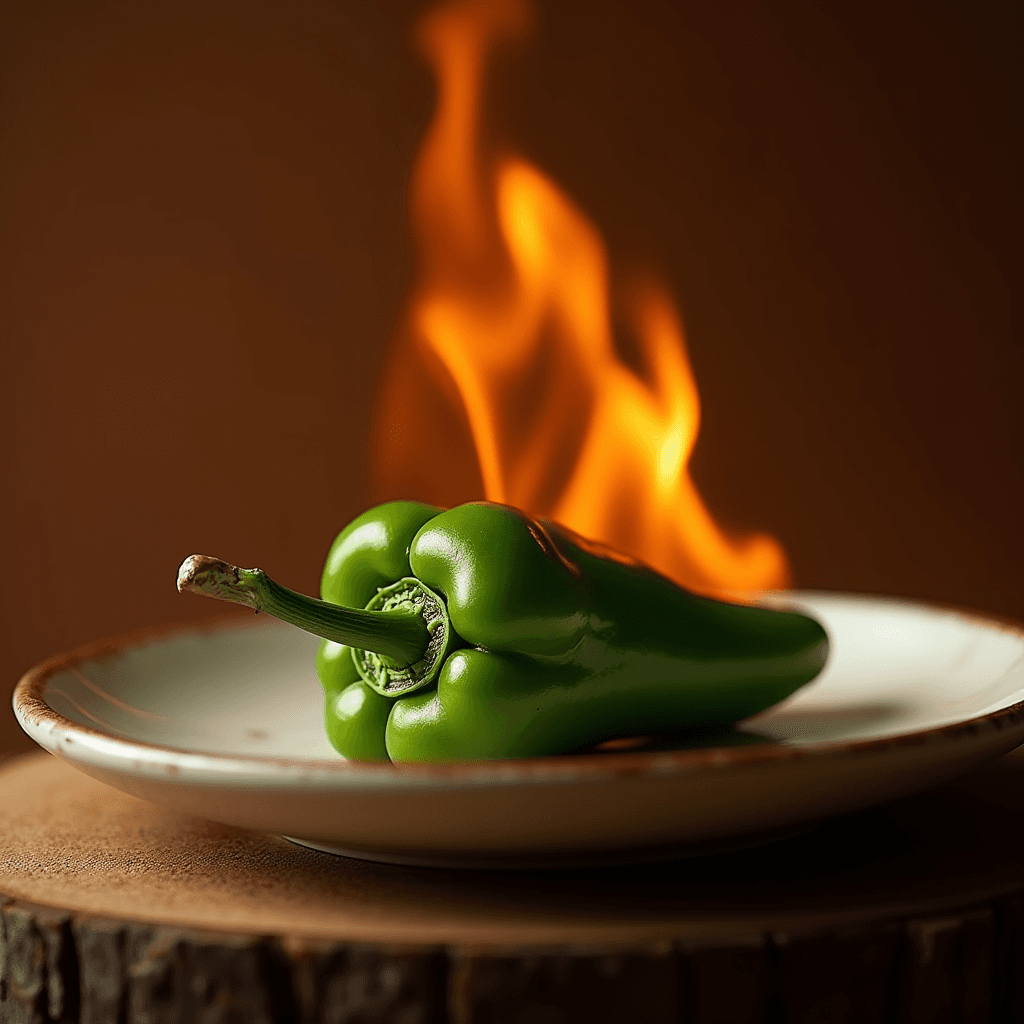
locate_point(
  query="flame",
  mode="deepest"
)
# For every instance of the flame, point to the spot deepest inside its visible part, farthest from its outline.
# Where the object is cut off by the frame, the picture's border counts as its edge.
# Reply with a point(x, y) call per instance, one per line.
point(505, 380)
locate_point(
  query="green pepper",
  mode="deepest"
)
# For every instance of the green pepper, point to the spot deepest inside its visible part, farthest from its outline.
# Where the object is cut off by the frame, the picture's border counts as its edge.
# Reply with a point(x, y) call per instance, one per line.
point(480, 633)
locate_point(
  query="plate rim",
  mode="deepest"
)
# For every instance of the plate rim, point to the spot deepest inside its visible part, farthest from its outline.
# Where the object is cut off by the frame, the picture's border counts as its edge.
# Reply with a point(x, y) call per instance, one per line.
point(42, 723)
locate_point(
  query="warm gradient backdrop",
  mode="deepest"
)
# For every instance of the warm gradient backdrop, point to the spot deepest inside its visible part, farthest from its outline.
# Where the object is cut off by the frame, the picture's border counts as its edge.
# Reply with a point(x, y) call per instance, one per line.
point(204, 247)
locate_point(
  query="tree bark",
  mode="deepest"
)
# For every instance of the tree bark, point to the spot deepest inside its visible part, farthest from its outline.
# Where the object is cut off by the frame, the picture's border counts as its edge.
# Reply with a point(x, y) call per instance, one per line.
point(965, 964)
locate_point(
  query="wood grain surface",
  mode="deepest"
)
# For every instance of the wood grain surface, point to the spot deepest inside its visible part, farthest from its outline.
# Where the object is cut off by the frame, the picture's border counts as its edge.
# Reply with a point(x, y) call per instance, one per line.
point(116, 910)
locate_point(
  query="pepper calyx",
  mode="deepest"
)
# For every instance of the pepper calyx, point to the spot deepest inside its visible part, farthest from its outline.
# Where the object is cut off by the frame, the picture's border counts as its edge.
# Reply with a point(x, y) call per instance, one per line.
point(385, 675)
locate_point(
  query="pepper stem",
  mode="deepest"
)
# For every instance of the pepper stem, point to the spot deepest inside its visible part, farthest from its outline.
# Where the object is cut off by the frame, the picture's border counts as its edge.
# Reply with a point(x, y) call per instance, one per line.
point(400, 635)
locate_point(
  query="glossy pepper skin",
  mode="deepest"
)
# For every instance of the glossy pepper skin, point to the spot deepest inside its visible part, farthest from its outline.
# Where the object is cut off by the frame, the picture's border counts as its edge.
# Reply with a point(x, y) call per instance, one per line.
point(559, 644)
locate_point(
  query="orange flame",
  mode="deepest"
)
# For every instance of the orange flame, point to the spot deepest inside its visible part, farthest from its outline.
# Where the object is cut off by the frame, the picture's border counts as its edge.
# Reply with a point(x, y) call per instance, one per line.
point(507, 361)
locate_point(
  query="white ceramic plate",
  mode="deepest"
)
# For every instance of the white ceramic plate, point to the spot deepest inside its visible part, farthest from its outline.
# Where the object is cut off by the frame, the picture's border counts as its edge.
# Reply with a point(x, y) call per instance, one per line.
point(225, 723)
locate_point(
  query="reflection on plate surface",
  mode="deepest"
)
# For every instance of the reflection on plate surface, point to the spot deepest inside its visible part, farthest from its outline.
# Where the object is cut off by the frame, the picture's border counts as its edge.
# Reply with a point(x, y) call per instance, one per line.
point(225, 723)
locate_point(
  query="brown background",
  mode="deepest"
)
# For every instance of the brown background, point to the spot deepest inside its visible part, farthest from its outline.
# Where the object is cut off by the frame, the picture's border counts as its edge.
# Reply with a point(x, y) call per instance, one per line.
point(204, 248)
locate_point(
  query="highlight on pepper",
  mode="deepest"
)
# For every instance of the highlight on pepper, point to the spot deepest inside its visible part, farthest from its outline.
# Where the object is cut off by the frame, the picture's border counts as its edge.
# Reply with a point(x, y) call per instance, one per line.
point(478, 633)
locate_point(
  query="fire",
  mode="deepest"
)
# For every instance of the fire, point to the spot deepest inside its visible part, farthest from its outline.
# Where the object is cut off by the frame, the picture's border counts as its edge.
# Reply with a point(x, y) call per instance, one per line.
point(505, 382)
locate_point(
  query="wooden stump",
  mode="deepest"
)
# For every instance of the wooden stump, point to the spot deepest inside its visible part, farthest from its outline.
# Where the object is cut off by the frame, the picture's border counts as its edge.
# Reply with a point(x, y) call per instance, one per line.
point(117, 911)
